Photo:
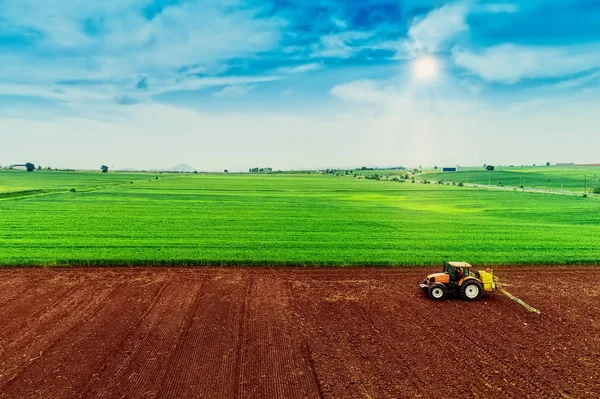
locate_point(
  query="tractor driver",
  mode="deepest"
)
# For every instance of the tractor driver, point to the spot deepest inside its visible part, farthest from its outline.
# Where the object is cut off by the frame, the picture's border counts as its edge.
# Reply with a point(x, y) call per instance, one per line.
point(459, 274)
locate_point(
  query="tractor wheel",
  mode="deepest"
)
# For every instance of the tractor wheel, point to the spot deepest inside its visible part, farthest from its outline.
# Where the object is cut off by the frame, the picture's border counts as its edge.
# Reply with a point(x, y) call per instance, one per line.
point(471, 290)
point(438, 292)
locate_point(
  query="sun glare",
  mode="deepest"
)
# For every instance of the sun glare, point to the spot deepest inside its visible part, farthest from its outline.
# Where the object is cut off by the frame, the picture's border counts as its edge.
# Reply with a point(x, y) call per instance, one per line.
point(425, 68)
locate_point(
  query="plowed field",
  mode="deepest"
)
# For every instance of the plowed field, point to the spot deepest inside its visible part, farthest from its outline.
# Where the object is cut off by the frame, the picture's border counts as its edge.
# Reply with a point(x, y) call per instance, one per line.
point(294, 333)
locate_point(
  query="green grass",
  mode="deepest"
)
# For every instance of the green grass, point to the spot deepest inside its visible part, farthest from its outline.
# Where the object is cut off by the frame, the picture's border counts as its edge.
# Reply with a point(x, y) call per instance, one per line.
point(286, 220)
point(571, 178)
point(13, 181)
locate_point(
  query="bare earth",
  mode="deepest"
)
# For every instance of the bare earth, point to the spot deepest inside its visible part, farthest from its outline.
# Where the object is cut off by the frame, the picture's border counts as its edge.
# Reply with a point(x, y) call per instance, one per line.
point(294, 333)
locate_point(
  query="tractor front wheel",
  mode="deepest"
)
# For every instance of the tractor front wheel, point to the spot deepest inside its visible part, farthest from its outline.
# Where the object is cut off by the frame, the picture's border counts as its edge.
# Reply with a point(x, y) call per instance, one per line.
point(471, 290)
point(438, 292)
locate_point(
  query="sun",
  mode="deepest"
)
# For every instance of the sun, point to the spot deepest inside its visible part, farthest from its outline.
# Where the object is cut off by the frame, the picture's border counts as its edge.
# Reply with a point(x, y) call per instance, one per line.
point(425, 68)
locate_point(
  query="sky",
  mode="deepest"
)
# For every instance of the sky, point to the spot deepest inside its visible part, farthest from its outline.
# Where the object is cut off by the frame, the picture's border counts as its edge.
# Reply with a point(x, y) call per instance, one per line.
point(298, 84)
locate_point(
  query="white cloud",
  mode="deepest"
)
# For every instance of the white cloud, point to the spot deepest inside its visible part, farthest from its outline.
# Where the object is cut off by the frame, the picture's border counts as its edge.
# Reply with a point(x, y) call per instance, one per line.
point(510, 63)
point(234, 91)
point(429, 33)
point(195, 83)
point(109, 92)
point(301, 68)
point(588, 79)
point(339, 45)
point(332, 46)
point(443, 25)
point(339, 23)
point(398, 129)
point(507, 8)
point(365, 91)
point(439, 129)
point(60, 93)
point(201, 35)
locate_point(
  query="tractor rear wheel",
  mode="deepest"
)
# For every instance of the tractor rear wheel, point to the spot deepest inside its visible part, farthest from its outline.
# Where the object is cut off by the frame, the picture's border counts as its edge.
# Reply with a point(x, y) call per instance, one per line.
point(438, 292)
point(471, 290)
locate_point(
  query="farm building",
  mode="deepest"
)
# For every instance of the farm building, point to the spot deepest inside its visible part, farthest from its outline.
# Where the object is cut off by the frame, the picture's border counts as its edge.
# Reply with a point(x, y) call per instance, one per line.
point(18, 167)
point(448, 169)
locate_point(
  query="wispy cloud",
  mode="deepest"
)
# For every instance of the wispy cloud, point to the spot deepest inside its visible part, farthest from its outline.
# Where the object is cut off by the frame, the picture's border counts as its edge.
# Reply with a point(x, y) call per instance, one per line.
point(429, 33)
point(123, 45)
point(591, 79)
point(234, 91)
point(313, 66)
point(497, 8)
point(510, 63)
point(339, 45)
point(361, 91)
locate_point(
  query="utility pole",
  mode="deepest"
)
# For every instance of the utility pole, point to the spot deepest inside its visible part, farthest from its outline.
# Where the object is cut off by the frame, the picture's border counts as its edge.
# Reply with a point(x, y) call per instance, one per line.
point(585, 184)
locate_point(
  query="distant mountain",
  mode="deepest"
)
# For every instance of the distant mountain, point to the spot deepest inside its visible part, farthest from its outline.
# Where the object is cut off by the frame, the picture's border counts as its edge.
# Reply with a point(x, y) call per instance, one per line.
point(182, 167)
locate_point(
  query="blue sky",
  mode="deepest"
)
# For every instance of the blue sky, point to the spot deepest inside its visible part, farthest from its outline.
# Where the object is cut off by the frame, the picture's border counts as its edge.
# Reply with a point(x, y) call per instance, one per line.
point(298, 84)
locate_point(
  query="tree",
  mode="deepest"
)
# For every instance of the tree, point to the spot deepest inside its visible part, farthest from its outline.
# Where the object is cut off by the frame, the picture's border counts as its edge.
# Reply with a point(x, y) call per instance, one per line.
point(435, 167)
point(547, 163)
point(30, 167)
point(39, 167)
point(225, 171)
point(104, 168)
point(489, 167)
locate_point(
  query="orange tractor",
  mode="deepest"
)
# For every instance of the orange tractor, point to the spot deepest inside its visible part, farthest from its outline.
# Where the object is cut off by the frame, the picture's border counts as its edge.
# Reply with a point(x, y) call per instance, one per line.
point(460, 280)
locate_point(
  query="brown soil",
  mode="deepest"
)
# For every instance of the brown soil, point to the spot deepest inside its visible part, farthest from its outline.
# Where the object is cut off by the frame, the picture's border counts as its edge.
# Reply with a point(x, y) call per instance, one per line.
point(294, 333)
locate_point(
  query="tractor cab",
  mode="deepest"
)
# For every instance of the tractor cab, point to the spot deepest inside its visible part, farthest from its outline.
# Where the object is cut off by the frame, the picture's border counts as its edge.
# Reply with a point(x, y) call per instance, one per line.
point(457, 270)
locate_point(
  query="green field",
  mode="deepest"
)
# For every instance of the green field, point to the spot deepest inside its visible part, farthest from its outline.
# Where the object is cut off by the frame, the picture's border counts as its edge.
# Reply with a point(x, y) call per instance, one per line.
point(283, 220)
point(570, 178)
point(20, 184)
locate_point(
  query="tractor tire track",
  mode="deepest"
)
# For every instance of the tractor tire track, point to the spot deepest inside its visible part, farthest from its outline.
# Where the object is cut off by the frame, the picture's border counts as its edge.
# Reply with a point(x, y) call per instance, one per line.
point(203, 364)
point(273, 362)
point(111, 357)
point(136, 368)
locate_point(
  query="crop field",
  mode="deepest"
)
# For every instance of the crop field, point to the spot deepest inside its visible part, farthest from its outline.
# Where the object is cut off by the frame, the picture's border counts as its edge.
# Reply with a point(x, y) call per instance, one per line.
point(20, 184)
point(137, 219)
point(570, 178)
point(294, 333)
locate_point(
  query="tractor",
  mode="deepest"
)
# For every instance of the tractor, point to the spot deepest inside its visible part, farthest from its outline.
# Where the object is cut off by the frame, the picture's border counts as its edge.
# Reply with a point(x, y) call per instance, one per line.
point(459, 279)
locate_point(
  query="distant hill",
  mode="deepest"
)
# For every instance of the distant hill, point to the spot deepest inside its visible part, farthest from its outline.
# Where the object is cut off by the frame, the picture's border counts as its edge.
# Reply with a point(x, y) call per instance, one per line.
point(182, 167)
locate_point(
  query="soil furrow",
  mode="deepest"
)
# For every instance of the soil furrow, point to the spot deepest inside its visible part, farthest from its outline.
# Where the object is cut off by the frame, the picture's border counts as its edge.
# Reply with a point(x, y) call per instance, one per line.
point(73, 358)
point(294, 333)
point(204, 362)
